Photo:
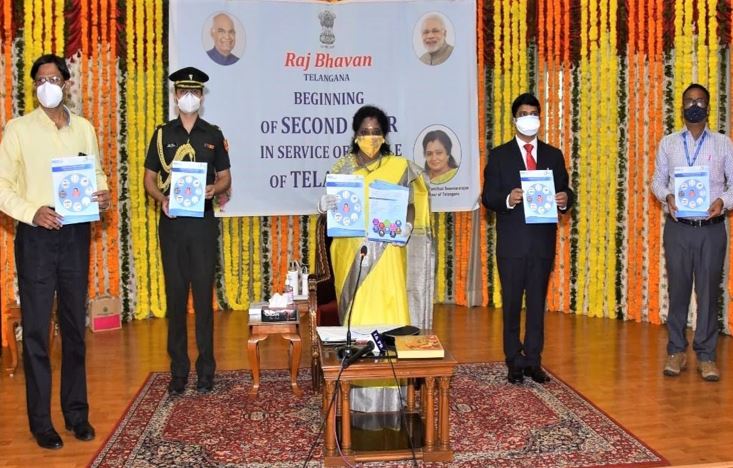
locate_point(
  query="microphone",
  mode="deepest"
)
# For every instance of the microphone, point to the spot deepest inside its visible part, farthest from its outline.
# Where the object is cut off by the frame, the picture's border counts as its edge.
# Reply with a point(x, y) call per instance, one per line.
point(368, 348)
point(348, 350)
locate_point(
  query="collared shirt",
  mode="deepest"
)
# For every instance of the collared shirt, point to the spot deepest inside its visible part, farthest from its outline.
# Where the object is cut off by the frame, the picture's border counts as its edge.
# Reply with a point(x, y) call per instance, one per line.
point(207, 142)
point(221, 59)
point(521, 144)
point(437, 57)
point(523, 151)
point(27, 147)
point(716, 152)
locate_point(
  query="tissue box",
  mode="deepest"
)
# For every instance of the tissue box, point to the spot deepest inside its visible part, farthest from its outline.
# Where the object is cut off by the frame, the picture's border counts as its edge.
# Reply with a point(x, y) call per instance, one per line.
point(104, 314)
point(279, 315)
point(255, 308)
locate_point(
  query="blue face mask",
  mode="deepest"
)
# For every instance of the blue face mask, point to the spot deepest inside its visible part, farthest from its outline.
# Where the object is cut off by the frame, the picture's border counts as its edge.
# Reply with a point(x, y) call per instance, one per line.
point(695, 114)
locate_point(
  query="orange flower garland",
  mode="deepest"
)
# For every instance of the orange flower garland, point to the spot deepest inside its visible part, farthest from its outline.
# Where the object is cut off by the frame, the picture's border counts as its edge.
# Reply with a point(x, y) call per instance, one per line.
point(7, 263)
point(483, 243)
point(656, 102)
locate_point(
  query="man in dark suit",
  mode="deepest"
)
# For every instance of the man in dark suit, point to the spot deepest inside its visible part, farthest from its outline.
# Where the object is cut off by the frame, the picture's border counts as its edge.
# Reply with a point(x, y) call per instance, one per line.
point(525, 252)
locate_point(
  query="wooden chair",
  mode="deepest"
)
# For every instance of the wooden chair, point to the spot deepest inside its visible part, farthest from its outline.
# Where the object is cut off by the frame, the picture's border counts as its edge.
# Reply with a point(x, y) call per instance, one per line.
point(12, 320)
point(322, 306)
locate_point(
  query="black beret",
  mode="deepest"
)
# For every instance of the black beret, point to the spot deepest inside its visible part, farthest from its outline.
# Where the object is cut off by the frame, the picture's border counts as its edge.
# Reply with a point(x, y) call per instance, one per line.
point(189, 77)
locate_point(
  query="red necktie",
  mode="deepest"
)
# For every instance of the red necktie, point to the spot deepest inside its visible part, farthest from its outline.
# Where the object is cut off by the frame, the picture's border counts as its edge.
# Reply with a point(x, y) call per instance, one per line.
point(531, 163)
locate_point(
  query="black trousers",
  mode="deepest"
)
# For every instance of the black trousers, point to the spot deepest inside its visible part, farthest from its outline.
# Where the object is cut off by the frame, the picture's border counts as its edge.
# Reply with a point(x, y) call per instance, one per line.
point(49, 262)
point(518, 276)
point(188, 248)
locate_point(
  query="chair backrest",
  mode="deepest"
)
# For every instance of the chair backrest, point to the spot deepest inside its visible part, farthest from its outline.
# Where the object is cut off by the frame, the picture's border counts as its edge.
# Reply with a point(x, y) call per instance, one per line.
point(323, 257)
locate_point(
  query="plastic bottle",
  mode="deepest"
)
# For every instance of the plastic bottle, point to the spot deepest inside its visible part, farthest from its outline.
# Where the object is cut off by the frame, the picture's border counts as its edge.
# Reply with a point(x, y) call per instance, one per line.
point(292, 277)
point(289, 292)
point(304, 280)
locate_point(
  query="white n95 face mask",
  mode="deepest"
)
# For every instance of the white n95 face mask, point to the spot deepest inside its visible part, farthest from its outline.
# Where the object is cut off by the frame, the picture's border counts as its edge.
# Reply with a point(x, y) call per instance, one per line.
point(49, 95)
point(189, 103)
point(527, 125)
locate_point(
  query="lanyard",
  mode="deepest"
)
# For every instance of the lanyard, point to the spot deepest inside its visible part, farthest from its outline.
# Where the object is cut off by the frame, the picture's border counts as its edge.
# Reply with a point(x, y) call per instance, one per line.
point(697, 149)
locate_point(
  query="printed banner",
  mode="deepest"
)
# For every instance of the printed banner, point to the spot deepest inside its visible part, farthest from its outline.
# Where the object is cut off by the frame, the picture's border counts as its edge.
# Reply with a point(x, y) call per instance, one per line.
point(287, 77)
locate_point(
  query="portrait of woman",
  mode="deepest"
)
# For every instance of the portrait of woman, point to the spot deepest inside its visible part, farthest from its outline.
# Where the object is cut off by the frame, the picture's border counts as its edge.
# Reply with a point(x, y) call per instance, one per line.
point(440, 165)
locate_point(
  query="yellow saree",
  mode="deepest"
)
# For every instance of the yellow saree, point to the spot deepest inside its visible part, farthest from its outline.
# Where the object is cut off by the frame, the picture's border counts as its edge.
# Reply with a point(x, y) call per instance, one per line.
point(396, 283)
point(382, 296)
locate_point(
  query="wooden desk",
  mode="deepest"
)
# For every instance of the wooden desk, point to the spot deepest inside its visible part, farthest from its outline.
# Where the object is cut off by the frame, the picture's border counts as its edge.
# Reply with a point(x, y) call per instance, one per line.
point(430, 373)
point(290, 331)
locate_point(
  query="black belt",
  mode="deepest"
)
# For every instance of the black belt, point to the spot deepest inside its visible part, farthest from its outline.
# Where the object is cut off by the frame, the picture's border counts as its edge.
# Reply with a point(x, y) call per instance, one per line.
point(700, 222)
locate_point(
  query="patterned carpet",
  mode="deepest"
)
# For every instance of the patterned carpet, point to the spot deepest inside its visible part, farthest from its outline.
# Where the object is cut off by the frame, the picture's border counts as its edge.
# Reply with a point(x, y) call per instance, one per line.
point(492, 424)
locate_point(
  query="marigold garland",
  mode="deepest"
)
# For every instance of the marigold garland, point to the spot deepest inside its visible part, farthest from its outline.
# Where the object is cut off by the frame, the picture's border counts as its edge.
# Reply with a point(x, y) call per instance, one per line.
point(7, 96)
point(606, 110)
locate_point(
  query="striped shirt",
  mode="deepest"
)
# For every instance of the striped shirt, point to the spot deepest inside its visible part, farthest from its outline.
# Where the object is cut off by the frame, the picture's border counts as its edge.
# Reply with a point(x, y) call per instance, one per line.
point(715, 152)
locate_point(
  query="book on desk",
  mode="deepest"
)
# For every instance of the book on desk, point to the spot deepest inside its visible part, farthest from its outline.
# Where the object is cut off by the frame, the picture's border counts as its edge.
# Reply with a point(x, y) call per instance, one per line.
point(418, 347)
point(412, 347)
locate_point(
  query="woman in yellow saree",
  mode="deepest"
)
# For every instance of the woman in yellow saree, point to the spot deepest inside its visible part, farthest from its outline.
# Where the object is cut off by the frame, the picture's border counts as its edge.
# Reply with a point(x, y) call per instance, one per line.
point(396, 282)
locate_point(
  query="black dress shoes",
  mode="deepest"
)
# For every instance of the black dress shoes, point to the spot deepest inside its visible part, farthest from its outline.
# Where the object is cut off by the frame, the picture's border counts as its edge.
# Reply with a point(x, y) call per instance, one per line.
point(205, 384)
point(515, 375)
point(177, 385)
point(49, 439)
point(82, 431)
point(537, 374)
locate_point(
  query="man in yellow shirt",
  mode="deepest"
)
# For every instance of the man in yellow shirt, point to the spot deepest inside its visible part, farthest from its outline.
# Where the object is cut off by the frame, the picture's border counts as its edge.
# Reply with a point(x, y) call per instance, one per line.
point(51, 258)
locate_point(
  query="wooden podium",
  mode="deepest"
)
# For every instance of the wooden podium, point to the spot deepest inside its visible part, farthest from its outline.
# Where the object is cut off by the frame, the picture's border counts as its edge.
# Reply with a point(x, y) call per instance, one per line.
point(432, 376)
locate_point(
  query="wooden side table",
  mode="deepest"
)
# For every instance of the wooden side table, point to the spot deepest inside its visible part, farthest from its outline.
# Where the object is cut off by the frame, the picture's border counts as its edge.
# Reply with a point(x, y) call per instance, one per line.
point(434, 376)
point(260, 331)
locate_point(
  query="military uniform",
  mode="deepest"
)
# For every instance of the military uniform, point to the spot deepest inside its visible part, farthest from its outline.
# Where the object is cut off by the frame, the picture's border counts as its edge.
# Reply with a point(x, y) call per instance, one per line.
point(189, 245)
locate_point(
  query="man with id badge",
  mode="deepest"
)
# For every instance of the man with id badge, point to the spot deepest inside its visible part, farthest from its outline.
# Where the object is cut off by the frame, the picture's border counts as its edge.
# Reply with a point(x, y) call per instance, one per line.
point(692, 180)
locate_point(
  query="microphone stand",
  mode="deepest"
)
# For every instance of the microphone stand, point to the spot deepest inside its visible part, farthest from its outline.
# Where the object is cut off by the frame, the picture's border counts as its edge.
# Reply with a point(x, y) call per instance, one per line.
point(348, 350)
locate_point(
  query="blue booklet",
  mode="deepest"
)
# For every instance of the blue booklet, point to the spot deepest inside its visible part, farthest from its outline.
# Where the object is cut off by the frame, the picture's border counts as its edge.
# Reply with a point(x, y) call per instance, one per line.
point(347, 220)
point(539, 196)
point(692, 191)
point(387, 212)
point(74, 182)
point(188, 189)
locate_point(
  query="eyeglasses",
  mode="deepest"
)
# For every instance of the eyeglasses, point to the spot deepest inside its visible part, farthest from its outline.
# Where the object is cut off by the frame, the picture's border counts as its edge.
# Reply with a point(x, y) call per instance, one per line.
point(699, 102)
point(525, 113)
point(57, 80)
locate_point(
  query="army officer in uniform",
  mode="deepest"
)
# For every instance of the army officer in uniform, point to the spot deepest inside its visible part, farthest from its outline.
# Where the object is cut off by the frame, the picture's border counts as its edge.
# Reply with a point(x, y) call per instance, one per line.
point(188, 246)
